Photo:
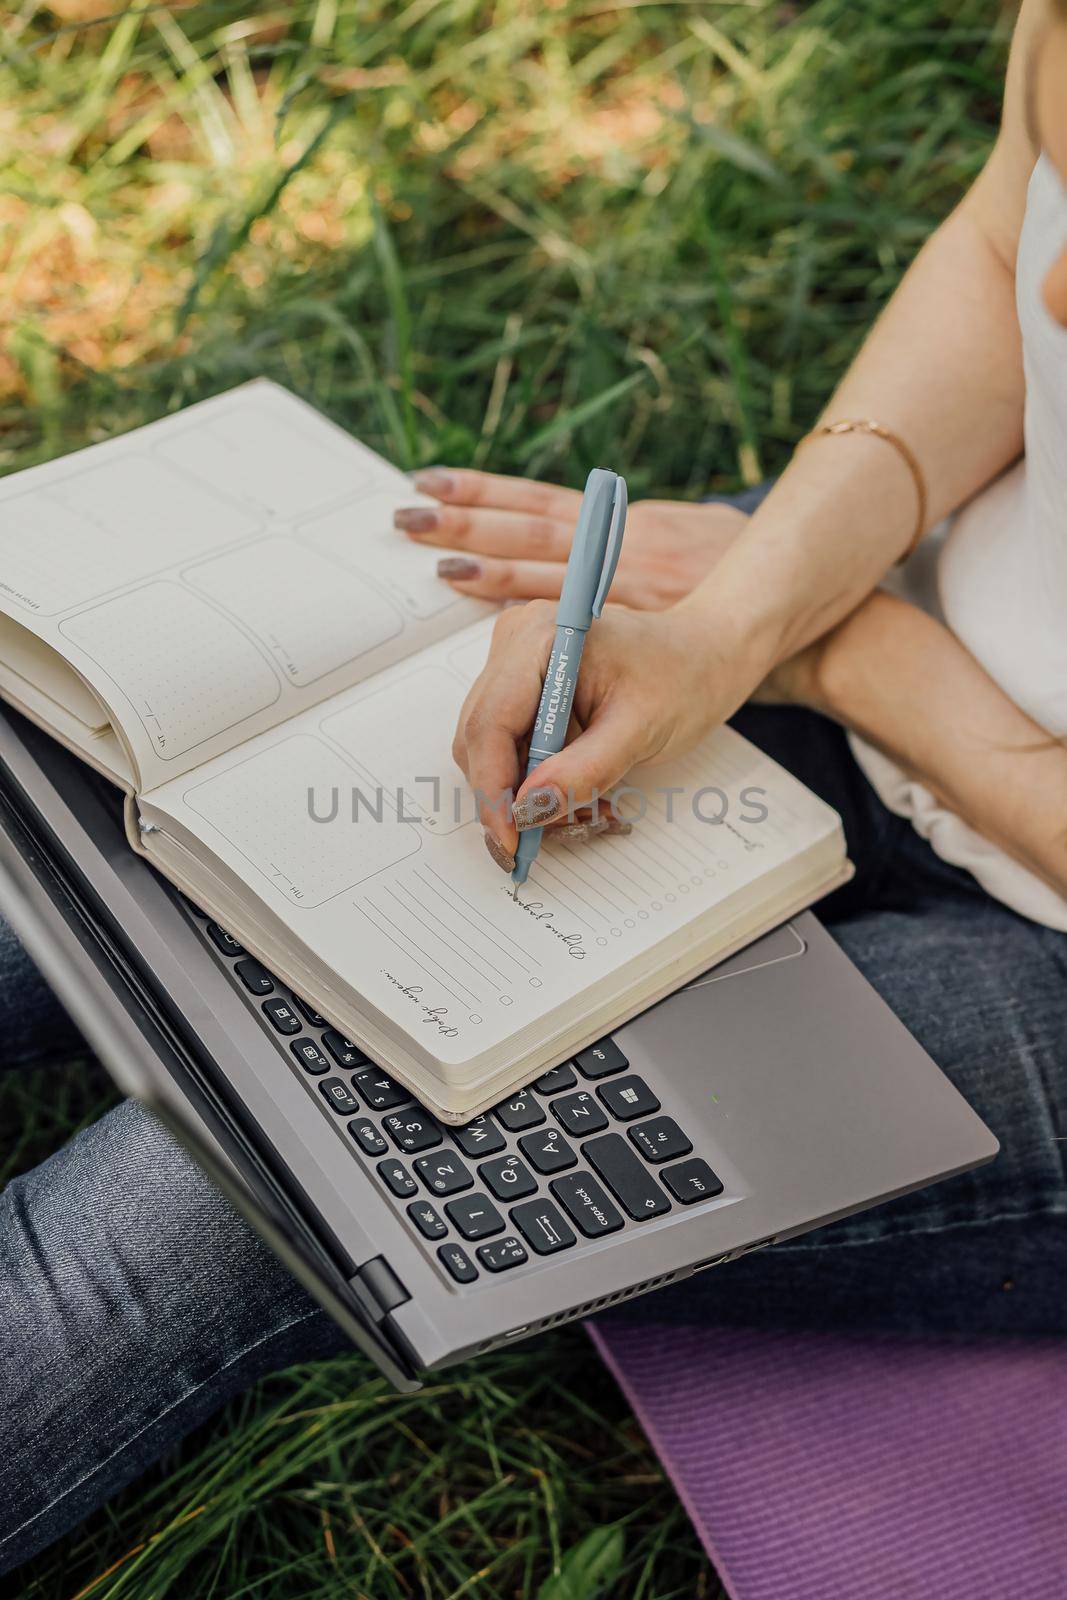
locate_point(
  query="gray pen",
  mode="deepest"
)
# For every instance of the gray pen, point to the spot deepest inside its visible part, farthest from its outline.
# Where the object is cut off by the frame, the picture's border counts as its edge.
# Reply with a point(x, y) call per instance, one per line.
point(590, 568)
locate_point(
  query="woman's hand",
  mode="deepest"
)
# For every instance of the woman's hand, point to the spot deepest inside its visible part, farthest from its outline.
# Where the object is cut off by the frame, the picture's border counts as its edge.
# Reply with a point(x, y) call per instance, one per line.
point(650, 687)
point(515, 536)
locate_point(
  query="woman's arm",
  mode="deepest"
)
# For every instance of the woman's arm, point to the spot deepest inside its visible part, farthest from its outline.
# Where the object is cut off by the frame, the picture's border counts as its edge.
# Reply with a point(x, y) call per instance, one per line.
point(903, 681)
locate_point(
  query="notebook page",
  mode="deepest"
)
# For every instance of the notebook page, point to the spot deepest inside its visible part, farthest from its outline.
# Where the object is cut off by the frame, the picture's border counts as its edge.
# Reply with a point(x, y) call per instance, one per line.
point(215, 572)
point(355, 827)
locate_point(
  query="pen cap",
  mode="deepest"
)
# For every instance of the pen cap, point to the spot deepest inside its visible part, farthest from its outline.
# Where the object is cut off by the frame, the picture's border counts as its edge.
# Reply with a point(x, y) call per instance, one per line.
point(590, 550)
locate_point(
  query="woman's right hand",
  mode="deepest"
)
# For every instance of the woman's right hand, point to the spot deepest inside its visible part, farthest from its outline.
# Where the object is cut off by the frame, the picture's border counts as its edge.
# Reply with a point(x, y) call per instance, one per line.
point(651, 685)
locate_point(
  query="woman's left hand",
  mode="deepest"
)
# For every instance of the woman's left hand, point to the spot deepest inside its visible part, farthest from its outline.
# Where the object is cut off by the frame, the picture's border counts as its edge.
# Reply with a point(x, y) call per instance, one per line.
point(515, 536)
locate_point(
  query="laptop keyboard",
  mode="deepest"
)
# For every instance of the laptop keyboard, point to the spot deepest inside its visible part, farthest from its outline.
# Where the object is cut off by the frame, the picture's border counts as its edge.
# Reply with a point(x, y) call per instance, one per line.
point(584, 1152)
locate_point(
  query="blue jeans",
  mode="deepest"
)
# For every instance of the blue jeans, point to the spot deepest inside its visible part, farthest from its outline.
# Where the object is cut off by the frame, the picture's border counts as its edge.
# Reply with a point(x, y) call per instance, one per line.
point(134, 1302)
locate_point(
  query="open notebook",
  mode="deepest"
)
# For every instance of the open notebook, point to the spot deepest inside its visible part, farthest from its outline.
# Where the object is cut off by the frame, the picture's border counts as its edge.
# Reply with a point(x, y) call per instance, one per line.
point(216, 612)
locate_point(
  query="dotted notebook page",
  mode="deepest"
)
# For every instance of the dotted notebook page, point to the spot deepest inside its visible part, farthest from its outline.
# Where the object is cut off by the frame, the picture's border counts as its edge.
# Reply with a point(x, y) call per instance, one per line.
point(407, 906)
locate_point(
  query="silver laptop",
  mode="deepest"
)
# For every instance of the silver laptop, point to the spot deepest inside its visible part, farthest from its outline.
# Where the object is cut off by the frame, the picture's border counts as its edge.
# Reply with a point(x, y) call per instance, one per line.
point(773, 1095)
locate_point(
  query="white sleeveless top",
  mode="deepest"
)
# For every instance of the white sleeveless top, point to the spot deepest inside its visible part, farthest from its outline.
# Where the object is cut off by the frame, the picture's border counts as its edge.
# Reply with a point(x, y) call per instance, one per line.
point(998, 575)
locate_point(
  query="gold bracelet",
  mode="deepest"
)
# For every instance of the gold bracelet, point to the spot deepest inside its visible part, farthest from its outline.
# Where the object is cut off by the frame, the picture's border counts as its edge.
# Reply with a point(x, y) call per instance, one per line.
point(865, 425)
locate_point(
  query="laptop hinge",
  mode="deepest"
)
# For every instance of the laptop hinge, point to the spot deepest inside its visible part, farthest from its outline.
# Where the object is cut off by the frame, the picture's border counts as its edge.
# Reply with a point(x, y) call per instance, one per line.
point(377, 1283)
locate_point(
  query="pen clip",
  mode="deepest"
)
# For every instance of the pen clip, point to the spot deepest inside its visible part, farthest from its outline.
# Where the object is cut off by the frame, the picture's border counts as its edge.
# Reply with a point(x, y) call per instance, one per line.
point(613, 548)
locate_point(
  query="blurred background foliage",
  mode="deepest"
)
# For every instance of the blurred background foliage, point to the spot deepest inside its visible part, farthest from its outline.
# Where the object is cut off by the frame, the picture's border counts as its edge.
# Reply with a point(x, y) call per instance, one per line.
point(525, 234)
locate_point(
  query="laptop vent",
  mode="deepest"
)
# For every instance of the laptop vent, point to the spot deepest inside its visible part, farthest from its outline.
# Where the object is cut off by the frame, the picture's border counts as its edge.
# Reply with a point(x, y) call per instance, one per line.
point(612, 1299)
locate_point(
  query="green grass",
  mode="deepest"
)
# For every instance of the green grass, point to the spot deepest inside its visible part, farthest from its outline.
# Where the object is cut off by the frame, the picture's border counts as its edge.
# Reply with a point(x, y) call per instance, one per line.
point(520, 234)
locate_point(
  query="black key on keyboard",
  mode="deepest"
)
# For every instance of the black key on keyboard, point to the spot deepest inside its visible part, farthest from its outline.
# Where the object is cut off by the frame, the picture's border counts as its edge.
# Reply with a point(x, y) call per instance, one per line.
point(310, 1056)
point(397, 1177)
point(502, 1254)
point(692, 1180)
point(367, 1137)
point(412, 1130)
point(586, 1204)
point(579, 1113)
point(660, 1140)
point(548, 1150)
point(282, 1015)
point(344, 1052)
point(508, 1178)
point(600, 1060)
point(379, 1090)
point(338, 1096)
point(479, 1138)
point(542, 1227)
point(313, 1017)
point(426, 1220)
point(444, 1173)
point(521, 1111)
point(559, 1078)
point(457, 1262)
point(254, 977)
point(224, 941)
point(475, 1216)
point(627, 1098)
point(627, 1177)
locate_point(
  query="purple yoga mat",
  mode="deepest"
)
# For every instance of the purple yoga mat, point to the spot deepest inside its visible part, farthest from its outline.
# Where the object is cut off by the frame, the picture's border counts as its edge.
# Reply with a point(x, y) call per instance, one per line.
point(826, 1468)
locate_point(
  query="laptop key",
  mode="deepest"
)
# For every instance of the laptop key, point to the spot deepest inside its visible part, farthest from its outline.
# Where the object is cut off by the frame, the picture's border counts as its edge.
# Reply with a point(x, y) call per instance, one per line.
point(310, 1056)
point(396, 1177)
point(600, 1060)
point(379, 1090)
point(315, 1018)
point(479, 1138)
point(521, 1111)
point(542, 1226)
point(368, 1138)
point(338, 1096)
point(627, 1098)
point(508, 1178)
point(548, 1150)
point(660, 1140)
point(426, 1220)
point(626, 1176)
point(254, 977)
point(224, 941)
point(344, 1052)
point(281, 1014)
point(692, 1180)
point(579, 1113)
point(586, 1204)
point(559, 1078)
point(502, 1254)
point(444, 1173)
point(411, 1131)
point(457, 1262)
point(475, 1216)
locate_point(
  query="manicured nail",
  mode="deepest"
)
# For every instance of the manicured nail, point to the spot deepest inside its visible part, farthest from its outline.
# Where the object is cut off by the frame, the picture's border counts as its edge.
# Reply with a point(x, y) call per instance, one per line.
point(537, 807)
point(458, 567)
point(416, 519)
point(615, 825)
point(435, 481)
point(503, 858)
point(579, 832)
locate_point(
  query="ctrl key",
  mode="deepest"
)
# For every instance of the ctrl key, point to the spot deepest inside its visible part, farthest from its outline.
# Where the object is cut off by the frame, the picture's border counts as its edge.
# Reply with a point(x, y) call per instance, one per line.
point(692, 1180)
point(457, 1263)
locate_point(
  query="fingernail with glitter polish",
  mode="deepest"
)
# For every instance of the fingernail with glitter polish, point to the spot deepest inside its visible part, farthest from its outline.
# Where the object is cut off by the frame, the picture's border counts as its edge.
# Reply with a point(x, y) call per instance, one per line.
point(579, 832)
point(537, 807)
point(435, 481)
point(461, 567)
point(503, 858)
point(416, 519)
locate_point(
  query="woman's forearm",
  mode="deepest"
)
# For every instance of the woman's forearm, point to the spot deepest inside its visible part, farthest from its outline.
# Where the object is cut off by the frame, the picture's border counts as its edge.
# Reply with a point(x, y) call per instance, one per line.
point(943, 368)
point(903, 681)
